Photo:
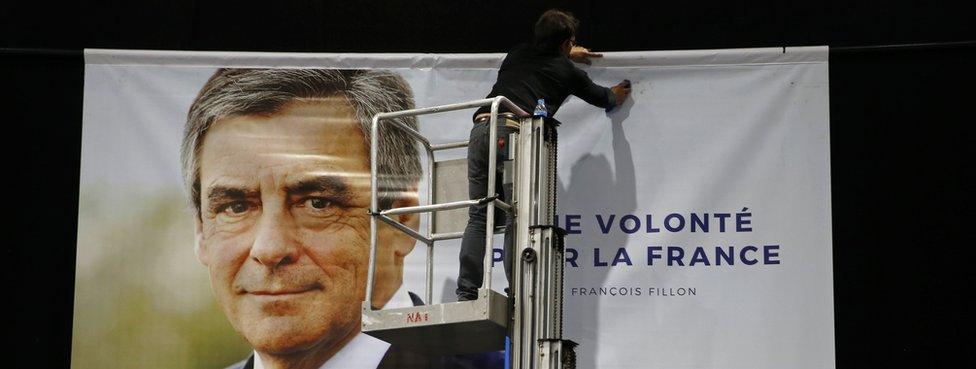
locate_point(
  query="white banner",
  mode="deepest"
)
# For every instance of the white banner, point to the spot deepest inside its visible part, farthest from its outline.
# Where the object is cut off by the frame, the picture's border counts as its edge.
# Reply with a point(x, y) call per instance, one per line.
point(698, 212)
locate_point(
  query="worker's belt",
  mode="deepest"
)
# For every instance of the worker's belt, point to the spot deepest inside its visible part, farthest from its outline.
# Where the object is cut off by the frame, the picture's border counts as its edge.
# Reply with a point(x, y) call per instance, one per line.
point(508, 119)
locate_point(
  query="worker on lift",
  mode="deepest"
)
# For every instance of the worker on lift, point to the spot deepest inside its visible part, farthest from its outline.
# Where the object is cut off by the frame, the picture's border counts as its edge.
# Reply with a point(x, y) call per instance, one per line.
point(540, 70)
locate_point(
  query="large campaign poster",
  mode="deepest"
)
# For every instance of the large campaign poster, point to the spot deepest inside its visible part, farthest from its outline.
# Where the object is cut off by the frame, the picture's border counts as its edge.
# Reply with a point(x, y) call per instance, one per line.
point(698, 213)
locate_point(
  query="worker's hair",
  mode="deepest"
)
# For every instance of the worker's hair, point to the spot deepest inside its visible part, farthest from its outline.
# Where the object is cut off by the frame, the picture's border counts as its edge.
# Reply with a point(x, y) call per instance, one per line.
point(553, 28)
point(237, 92)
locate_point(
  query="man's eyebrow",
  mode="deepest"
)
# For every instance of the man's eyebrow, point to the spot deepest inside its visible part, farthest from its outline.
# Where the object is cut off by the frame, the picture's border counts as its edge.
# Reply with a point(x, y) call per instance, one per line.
point(219, 193)
point(335, 186)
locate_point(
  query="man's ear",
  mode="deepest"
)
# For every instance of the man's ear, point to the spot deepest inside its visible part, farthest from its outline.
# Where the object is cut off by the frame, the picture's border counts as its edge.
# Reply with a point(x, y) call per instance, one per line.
point(566, 46)
point(203, 254)
point(404, 243)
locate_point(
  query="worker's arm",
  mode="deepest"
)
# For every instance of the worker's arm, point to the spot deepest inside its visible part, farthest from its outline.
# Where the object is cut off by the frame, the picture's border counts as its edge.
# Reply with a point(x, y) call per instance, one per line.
point(594, 94)
point(582, 55)
point(590, 92)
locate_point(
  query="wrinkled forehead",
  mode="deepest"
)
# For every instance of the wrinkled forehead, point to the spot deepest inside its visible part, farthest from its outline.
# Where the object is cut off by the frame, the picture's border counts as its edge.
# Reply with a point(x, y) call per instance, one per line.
point(303, 137)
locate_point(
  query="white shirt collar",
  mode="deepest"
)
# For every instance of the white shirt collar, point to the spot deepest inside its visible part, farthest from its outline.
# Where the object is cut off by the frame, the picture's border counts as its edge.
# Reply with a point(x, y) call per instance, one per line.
point(363, 351)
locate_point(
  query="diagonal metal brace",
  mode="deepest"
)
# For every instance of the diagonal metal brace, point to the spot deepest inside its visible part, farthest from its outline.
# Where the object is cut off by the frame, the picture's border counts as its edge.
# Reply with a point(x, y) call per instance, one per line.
point(488, 199)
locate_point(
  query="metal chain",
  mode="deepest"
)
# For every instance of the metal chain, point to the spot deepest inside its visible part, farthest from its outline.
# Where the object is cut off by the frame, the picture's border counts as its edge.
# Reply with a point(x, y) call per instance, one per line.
point(552, 137)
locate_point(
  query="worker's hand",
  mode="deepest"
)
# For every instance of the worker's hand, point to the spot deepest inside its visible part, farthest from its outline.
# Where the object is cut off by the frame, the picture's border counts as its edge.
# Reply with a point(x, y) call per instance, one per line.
point(582, 55)
point(621, 91)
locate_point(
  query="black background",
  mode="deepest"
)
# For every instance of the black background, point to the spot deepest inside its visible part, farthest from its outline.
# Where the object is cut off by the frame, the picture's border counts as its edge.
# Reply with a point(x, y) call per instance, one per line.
point(900, 122)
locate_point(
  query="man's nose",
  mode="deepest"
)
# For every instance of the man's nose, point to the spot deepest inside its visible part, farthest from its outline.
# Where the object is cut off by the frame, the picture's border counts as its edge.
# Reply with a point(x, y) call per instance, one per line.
point(275, 244)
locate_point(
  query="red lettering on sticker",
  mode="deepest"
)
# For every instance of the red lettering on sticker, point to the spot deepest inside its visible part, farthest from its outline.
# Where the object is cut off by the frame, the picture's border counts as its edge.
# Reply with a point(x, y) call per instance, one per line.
point(418, 317)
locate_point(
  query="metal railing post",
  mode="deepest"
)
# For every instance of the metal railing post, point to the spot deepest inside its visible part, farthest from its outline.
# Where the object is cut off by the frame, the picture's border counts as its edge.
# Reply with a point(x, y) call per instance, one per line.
point(373, 208)
point(429, 295)
point(490, 211)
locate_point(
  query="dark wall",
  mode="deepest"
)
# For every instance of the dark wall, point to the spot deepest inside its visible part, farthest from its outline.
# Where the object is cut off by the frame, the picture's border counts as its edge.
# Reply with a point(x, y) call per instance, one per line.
point(42, 150)
point(472, 25)
point(900, 134)
point(901, 152)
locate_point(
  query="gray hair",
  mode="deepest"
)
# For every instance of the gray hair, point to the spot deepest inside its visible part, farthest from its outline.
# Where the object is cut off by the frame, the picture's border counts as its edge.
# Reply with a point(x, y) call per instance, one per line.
point(235, 92)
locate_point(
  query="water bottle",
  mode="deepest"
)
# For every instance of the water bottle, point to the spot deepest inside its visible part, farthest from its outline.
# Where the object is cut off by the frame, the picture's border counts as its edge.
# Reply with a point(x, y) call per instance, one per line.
point(540, 109)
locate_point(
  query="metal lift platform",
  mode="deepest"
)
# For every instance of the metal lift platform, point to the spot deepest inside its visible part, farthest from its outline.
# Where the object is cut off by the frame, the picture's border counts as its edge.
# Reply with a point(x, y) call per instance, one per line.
point(444, 329)
point(454, 327)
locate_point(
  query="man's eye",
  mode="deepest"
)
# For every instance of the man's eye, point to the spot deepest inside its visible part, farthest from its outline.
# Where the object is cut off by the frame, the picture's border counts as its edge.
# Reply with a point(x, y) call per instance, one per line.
point(317, 203)
point(236, 208)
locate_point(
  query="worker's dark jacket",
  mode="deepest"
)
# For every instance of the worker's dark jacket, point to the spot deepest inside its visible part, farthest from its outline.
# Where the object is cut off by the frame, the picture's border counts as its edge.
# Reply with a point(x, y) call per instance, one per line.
point(528, 74)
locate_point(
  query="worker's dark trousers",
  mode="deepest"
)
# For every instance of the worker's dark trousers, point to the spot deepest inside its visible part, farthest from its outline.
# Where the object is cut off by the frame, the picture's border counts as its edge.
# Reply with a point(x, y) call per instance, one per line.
point(472, 254)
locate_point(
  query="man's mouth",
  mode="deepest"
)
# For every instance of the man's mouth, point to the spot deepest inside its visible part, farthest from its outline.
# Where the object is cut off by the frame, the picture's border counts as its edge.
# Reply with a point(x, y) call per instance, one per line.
point(284, 291)
point(280, 292)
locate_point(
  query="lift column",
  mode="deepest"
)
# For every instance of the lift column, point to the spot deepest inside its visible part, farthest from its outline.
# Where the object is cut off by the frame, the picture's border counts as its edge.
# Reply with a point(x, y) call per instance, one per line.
point(537, 285)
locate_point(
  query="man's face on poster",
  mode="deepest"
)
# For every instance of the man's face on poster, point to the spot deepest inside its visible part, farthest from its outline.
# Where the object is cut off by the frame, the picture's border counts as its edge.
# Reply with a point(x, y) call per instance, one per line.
point(284, 228)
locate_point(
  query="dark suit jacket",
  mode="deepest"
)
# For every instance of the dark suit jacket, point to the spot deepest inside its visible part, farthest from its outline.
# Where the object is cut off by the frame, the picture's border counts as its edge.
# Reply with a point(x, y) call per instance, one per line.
point(404, 359)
